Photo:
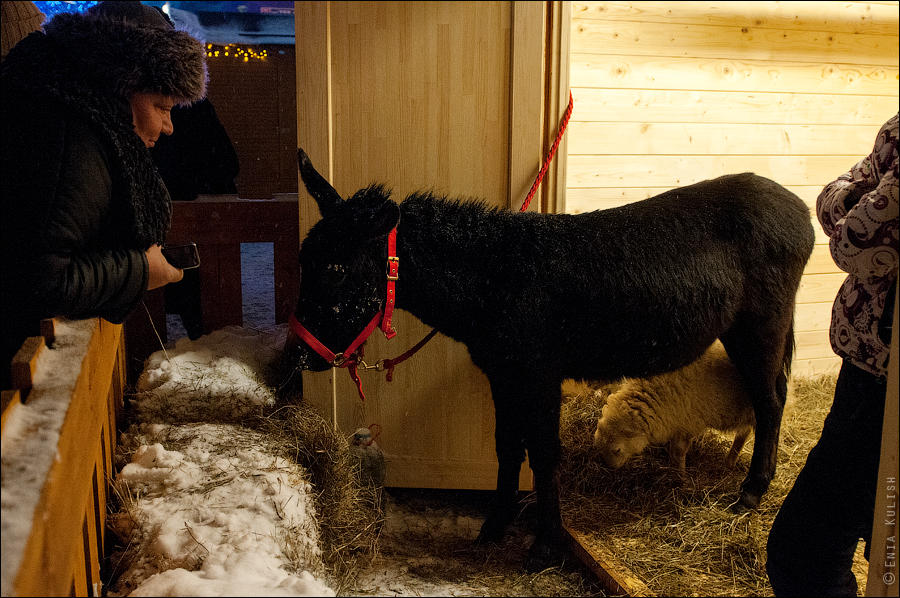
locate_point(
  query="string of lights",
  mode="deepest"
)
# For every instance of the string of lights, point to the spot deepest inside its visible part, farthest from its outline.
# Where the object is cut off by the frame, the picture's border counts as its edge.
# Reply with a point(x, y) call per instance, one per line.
point(235, 52)
point(241, 53)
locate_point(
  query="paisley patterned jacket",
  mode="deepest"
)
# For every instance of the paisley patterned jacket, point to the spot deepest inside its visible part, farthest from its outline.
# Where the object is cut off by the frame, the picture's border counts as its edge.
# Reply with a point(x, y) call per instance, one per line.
point(859, 213)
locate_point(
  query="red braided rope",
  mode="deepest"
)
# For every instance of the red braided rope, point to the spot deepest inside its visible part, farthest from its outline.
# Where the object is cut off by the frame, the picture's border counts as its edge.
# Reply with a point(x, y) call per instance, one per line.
point(540, 176)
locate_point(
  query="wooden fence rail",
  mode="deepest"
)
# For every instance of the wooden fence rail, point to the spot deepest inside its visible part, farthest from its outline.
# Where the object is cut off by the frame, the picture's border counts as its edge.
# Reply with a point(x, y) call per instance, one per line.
point(58, 546)
point(218, 224)
point(62, 551)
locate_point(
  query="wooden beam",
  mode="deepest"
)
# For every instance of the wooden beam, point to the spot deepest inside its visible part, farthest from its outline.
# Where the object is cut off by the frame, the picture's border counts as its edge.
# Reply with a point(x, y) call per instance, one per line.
point(526, 90)
point(559, 23)
point(613, 575)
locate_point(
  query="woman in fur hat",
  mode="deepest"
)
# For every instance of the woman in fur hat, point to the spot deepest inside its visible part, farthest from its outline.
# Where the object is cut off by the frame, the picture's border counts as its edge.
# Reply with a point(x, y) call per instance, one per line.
point(84, 209)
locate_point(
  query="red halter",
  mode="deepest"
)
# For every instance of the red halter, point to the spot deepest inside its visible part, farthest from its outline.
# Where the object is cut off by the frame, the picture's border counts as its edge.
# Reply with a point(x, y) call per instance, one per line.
point(351, 357)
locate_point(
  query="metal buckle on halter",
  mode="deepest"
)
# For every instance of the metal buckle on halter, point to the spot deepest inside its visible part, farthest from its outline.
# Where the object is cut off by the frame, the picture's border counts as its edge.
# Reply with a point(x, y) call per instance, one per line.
point(397, 261)
point(340, 359)
point(378, 366)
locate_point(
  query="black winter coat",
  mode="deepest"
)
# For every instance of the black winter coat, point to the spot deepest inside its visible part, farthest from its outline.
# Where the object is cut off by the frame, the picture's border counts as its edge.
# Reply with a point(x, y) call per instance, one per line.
point(66, 249)
point(81, 198)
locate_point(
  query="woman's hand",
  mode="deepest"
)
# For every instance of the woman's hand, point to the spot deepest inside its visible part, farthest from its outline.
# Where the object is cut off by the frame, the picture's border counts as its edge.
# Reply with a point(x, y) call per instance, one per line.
point(161, 271)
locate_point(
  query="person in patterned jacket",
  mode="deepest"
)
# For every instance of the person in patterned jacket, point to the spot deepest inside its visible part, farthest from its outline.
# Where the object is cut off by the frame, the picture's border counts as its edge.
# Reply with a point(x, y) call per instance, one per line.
point(831, 505)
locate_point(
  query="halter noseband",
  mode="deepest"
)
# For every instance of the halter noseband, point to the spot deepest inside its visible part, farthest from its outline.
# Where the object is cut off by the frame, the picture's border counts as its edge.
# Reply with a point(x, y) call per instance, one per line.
point(351, 357)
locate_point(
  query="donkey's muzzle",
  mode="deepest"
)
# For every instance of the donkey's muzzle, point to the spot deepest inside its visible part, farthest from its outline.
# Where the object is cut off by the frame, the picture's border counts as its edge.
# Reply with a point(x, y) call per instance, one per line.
point(297, 355)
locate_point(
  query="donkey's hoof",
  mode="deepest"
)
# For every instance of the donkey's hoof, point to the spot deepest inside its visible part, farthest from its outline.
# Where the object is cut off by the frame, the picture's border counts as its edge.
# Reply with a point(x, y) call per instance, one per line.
point(747, 501)
point(544, 555)
point(492, 531)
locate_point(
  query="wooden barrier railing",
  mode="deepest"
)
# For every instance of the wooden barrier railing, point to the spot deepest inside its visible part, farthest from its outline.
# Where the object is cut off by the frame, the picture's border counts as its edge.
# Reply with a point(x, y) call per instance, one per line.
point(218, 224)
point(61, 553)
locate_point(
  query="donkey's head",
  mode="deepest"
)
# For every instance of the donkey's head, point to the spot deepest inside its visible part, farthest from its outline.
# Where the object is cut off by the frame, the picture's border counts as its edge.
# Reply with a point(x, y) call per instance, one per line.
point(342, 268)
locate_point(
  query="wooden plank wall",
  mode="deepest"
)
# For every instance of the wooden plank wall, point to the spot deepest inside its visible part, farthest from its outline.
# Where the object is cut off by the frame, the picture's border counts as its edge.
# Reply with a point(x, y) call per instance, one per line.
point(417, 95)
point(671, 93)
point(256, 101)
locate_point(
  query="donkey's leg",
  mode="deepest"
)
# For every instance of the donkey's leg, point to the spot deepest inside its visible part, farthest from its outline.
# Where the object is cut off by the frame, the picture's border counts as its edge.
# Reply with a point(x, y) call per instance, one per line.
point(509, 439)
point(757, 348)
point(542, 441)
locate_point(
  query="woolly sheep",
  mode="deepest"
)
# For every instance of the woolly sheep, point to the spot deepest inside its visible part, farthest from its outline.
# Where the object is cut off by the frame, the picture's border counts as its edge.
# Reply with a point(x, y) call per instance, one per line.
point(676, 407)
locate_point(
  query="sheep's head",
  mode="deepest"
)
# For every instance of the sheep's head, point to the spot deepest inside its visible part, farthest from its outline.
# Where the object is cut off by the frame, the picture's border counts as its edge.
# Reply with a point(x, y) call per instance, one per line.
point(620, 433)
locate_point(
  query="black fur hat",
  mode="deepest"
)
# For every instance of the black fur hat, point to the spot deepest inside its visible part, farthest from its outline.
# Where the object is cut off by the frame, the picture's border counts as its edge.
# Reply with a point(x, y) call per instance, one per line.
point(128, 47)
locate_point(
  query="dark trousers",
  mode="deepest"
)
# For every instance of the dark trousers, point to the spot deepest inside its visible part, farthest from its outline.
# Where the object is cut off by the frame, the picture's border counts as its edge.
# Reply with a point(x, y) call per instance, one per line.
point(832, 503)
point(183, 298)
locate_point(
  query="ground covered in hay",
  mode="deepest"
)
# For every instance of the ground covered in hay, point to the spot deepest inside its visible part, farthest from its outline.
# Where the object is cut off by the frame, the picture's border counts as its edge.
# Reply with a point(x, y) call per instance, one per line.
point(678, 535)
point(427, 549)
point(225, 488)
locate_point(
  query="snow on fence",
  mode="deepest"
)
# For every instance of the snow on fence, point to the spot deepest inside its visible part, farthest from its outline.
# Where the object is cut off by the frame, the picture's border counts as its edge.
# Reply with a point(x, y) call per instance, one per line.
point(58, 440)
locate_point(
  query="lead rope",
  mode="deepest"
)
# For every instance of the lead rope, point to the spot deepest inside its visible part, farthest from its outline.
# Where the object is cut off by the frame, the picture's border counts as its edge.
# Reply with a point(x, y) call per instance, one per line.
point(153, 326)
point(389, 364)
point(540, 176)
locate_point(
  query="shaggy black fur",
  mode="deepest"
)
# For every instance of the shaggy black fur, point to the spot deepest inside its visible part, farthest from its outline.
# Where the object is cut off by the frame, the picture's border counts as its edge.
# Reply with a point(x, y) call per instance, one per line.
point(537, 298)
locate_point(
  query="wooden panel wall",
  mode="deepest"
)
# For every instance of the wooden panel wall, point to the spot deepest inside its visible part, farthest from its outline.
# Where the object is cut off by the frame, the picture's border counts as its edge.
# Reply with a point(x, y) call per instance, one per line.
point(257, 103)
point(421, 95)
point(671, 93)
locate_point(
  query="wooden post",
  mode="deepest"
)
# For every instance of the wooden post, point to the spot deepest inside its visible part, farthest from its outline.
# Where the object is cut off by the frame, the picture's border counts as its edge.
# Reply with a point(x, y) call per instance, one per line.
point(882, 578)
point(24, 363)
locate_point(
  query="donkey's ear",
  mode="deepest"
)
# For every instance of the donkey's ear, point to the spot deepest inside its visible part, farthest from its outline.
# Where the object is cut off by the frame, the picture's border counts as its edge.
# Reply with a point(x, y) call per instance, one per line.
point(324, 194)
point(385, 218)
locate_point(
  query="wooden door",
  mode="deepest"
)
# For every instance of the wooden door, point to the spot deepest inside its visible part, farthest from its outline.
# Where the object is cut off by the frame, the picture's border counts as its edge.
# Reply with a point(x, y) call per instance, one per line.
point(445, 96)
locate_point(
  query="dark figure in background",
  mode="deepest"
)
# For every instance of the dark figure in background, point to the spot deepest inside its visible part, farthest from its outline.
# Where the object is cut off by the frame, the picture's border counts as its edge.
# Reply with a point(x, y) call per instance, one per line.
point(832, 503)
point(84, 210)
point(197, 159)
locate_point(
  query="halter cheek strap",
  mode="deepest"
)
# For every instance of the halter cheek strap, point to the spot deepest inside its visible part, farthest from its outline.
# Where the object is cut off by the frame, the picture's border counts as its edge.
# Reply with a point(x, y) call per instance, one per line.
point(393, 268)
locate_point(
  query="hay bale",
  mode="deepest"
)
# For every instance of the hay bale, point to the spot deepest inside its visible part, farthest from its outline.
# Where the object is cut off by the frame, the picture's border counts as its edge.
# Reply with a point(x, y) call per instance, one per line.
point(218, 378)
point(350, 510)
point(210, 505)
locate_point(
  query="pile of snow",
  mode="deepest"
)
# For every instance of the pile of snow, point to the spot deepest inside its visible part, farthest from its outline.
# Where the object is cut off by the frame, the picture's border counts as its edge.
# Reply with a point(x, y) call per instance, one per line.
point(217, 515)
point(218, 377)
point(209, 509)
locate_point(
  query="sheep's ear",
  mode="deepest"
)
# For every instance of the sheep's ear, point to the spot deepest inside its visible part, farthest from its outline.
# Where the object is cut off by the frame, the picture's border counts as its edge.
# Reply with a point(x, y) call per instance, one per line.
point(321, 190)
